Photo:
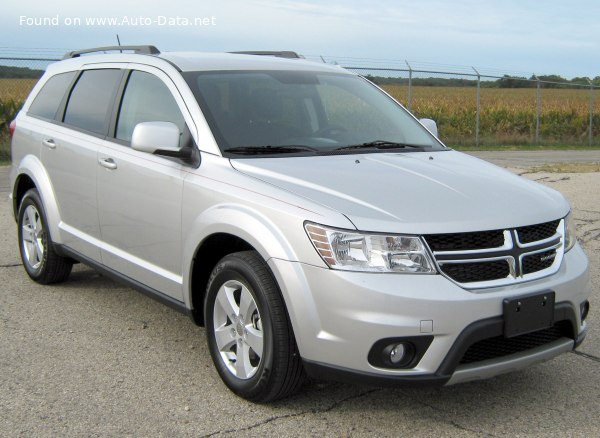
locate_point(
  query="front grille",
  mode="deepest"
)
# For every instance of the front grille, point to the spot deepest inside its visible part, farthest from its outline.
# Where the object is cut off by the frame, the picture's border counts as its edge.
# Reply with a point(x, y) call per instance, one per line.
point(498, 256)
point(537, 232)
point(539, 261)
point(465, 241)
point(471, 272)
point(500, 346)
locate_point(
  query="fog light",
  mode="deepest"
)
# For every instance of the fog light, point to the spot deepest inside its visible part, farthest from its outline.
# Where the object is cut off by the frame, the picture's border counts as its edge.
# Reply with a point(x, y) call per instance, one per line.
point(397, 353)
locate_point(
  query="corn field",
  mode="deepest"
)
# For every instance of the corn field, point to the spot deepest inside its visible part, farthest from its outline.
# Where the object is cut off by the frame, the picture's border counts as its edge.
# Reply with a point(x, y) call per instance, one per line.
point(508, 115)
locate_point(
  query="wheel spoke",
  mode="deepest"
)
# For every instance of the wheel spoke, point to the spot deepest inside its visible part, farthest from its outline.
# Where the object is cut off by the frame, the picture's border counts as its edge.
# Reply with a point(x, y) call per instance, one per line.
point(254, 338)
point(27, 233)
point(31, 214)
point(39, 227)
point(226, 301)
point(34, 255)
point(39, 249)
point(224, 338)
point(247, 304)
point(243, 367)
point(30, 253)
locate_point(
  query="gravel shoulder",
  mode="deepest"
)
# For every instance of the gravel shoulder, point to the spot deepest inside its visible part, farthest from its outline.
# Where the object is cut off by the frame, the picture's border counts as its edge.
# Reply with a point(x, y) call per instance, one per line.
point(93, 358)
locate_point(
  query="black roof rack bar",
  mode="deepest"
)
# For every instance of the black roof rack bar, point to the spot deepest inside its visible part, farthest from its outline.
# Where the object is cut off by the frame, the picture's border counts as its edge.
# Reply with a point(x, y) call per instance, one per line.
point(145, 50)
point(282, 54)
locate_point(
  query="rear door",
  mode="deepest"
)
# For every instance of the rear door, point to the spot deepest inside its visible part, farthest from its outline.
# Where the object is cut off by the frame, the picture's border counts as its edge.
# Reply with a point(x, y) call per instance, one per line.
point(69, 154)
point(139, 194)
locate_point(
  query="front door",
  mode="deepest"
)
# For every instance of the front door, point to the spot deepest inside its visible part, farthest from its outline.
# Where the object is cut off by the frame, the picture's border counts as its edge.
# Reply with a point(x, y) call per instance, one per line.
point(139, 194)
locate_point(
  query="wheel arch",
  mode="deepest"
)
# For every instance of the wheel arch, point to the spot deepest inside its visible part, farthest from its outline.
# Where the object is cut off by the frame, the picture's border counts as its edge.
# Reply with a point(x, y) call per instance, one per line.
point(223, 230)
point(31, 174)
point(208, 254)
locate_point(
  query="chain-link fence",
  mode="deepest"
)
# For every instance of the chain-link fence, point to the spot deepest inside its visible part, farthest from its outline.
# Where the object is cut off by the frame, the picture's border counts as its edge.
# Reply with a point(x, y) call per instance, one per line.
point(470, 108)
point(19, 75)
point(476, 109)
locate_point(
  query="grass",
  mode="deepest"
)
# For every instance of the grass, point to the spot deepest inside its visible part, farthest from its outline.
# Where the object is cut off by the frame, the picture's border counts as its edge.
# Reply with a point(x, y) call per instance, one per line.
point(4, 149)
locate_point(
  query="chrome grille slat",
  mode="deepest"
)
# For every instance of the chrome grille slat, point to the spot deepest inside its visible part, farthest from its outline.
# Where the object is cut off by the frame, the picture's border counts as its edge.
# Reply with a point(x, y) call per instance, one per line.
point(496, 262)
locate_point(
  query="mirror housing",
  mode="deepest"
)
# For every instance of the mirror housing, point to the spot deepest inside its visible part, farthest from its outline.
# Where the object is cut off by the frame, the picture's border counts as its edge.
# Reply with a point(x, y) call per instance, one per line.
point(161, 138)
point(430, 125)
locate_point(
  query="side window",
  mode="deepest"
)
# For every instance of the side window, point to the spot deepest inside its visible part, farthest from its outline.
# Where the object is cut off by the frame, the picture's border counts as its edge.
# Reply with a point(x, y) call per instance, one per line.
point(91, 100)
point(146, 99)
point(48, 100)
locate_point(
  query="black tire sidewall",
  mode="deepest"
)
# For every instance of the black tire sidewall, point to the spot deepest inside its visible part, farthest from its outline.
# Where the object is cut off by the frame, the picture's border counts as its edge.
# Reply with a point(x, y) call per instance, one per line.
point(32, 197)
point(231, 268)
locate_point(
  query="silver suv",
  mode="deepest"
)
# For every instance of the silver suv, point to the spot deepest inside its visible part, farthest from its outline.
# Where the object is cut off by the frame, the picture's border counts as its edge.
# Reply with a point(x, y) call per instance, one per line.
point(298, 212)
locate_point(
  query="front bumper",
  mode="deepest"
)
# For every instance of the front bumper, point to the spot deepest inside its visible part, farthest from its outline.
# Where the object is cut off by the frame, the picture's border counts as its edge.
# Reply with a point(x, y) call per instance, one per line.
point(338, 316)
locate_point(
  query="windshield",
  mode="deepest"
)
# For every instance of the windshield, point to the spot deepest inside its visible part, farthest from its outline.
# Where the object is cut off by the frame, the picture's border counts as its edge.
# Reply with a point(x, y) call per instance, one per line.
point(305, 113)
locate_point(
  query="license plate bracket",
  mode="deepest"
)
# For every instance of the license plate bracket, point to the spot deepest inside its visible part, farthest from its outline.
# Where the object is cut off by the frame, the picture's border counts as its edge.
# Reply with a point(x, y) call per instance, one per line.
point(528, 313)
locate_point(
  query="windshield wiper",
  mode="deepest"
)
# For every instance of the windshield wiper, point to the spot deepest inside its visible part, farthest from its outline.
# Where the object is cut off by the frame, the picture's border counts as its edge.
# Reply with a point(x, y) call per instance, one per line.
point(381, 144)
point(268, 149)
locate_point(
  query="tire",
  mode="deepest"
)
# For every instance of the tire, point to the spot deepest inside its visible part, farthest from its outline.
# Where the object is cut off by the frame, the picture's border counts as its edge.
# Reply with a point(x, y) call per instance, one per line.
point(38, 254)
point(244, 311)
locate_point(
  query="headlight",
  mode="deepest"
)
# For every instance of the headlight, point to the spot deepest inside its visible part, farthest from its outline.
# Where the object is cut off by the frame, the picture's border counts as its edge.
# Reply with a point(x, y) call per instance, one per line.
point(352, 251)
point(570, 232)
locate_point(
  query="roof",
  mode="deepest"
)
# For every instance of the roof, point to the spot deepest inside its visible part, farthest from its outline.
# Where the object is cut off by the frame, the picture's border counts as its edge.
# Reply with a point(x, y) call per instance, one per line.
point(202, 61)
point(193, 61)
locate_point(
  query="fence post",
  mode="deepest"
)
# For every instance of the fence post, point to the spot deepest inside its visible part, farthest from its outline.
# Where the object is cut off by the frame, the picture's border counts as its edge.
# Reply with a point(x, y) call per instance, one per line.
point(409, 86)
point(590, 135)
point(477, 115)
point(538, 110)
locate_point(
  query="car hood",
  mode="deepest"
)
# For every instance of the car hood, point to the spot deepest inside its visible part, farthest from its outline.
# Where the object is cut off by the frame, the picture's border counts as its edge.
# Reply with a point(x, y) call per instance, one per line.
point(414, 192)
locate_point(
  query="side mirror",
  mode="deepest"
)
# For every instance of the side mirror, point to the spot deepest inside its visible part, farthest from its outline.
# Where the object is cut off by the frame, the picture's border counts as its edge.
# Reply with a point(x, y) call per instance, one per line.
point(430, 125)
point(161, 138)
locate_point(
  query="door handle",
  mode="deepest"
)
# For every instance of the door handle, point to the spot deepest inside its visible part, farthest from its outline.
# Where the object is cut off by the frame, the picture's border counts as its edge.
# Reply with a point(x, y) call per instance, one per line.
point(109, 163)
point(49, 143)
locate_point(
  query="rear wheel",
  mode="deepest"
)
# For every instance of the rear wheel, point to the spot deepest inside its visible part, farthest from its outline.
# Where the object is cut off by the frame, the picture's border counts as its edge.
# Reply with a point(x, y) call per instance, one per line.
point(248, 331)
point(39, 257)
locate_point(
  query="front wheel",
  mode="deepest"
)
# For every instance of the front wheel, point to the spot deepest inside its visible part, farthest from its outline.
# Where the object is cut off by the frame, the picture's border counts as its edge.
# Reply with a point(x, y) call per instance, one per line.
point(248, 330)
point(39, 257)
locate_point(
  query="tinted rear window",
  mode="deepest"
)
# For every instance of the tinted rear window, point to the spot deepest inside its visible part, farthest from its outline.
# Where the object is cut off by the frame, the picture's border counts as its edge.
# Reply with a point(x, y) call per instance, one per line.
point(48, 100)
point(91, 100)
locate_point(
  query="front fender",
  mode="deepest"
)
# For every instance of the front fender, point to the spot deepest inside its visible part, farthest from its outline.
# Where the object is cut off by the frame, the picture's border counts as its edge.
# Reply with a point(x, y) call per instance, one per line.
point(243, 222)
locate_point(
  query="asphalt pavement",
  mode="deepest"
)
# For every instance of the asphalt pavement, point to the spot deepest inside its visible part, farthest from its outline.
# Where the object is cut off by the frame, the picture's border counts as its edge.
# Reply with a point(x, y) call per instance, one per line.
point(522, 159)
point(92, 358)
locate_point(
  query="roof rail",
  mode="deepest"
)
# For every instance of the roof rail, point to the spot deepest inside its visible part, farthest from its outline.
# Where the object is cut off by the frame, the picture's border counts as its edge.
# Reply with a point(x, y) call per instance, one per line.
point(281, 54)
point(145, 50)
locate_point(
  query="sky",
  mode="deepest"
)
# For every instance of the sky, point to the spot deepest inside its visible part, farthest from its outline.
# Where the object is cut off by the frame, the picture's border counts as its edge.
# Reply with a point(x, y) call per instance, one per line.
point(518, 37)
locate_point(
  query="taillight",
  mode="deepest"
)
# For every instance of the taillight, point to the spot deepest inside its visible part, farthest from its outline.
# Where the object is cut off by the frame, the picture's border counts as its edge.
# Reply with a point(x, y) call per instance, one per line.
point(12, 127)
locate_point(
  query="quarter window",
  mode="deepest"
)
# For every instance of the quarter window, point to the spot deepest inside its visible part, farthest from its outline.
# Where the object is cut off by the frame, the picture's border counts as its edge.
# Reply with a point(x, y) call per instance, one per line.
point(48, 100)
